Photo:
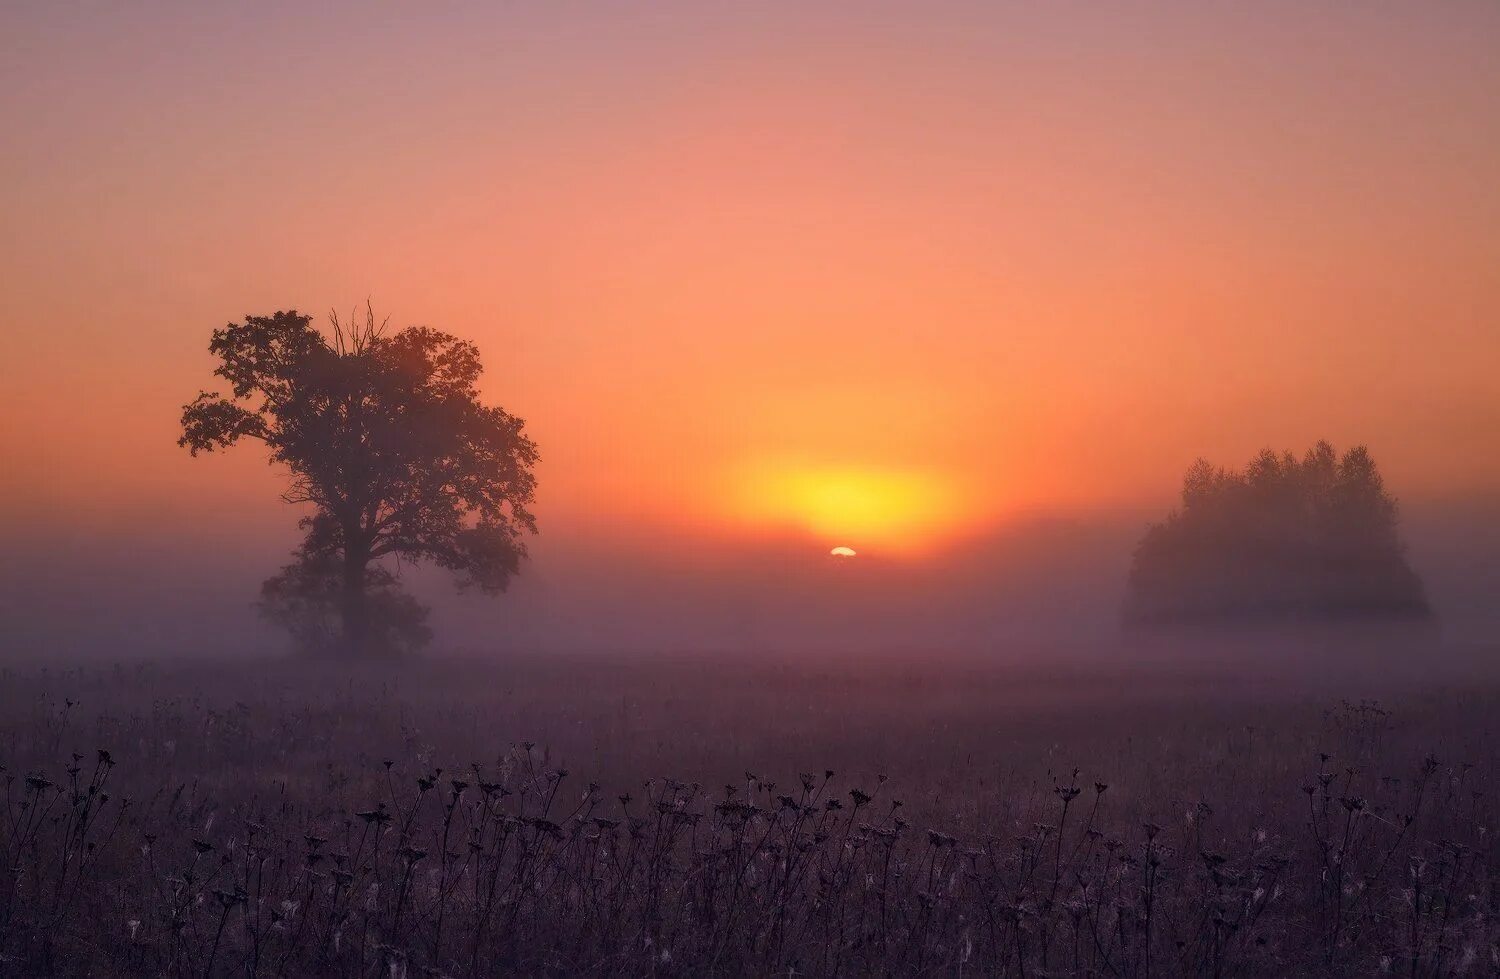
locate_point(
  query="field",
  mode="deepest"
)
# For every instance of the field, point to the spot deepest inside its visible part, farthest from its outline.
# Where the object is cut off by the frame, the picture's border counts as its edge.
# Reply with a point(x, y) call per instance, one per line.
point(682, 816)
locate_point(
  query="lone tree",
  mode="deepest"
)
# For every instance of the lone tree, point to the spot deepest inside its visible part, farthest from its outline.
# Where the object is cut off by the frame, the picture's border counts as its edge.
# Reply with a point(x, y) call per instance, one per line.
point(385, 438)
point(1314, 538)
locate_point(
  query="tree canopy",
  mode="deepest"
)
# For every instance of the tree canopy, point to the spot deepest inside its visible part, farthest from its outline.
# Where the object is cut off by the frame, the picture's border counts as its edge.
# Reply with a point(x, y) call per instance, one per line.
point(1284, 538)
point(386, 440)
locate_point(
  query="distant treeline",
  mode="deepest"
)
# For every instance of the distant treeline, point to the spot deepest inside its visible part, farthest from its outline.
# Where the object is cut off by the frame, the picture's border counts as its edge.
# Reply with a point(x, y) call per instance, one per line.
point(1284, 538)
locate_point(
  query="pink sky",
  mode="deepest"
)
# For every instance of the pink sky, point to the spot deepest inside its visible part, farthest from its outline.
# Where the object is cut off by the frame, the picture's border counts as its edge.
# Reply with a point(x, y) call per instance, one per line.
point(945, 265)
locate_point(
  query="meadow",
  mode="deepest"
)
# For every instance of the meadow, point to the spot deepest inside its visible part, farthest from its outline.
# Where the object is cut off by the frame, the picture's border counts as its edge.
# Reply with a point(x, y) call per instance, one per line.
point(688, 816)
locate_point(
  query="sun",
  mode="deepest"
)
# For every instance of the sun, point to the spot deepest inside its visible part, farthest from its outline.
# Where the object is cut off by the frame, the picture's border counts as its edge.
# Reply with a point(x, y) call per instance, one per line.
point(894, 509)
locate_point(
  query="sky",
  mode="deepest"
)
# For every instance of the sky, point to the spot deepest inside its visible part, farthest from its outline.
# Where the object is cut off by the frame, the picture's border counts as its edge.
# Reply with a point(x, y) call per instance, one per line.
point(763, 279)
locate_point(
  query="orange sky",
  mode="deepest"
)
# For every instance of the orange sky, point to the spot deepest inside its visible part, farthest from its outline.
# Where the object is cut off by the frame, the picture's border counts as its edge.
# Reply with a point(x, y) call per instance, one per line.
point(880, 274)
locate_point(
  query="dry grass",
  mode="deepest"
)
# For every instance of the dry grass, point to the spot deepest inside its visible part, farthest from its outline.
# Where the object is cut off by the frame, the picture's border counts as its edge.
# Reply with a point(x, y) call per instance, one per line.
point(569, 817)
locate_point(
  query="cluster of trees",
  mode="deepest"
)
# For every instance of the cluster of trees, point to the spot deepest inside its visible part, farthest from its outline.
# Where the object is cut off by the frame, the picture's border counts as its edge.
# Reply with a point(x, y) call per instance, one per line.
point(396, 459)
point(1284, 538)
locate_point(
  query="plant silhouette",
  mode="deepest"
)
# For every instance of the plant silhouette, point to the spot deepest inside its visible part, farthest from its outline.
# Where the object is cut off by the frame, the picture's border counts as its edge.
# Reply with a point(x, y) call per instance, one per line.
point(385, 438)
point(1284, 538)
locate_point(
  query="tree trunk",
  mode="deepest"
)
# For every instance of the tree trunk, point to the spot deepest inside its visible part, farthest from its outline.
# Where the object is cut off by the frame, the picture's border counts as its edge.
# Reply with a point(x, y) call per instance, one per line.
point(355, 611)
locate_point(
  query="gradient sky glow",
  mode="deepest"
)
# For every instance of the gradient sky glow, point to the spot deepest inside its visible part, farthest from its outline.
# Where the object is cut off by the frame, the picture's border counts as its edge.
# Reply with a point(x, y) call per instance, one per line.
point(885, 275)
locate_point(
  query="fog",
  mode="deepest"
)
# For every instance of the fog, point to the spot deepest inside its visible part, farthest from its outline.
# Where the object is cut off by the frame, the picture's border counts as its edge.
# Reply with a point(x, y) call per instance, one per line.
point(1046, 587)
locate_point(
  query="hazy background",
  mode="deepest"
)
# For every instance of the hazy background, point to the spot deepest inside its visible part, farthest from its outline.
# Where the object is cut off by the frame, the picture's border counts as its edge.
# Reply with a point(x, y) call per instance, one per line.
point(997, 273)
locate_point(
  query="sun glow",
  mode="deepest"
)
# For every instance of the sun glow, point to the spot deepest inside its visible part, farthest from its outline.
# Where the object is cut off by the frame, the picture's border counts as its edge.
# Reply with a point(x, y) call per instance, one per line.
point(894, 509)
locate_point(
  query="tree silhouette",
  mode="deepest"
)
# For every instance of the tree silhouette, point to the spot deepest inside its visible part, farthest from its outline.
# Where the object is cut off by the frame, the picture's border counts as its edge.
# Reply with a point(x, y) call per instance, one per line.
point(385, 438)
point(306, 599)
point(1282, 539)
